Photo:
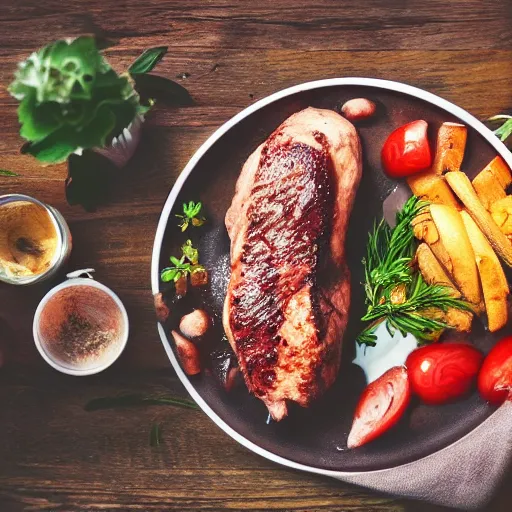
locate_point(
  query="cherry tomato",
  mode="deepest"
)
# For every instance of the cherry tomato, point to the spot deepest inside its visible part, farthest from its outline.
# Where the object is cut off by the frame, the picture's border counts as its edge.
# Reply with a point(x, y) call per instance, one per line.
point(381, 405)
point(495, 377)
point(441, 373)
point(407, 151)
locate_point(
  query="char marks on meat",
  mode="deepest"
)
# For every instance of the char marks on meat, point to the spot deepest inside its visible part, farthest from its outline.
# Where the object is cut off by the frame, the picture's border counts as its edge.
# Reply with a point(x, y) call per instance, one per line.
point(288, 297)
point(288, 219)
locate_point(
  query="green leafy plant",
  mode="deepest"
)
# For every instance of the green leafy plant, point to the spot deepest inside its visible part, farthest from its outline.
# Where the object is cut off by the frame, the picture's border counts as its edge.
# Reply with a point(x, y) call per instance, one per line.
point(190, 215)
point(187, 264)
point(72, 103)
point(395, 289)
point(71, 99)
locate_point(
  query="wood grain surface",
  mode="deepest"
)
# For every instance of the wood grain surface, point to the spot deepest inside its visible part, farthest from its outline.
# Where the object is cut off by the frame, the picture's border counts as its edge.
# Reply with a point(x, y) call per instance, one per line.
point(54, 455)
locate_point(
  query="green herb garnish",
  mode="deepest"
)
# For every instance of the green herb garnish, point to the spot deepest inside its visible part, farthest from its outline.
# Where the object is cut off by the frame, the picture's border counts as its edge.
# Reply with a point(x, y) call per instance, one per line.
point(155, 435)
point(505, 130)
point(395, 289)
point(3, 172)
point(191, 212)
point(137, 400)
point(187, 264)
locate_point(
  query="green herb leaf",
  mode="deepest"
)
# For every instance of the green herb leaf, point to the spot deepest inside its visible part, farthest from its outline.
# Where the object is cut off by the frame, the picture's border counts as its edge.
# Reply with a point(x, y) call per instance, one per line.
point(3, 172)
point(148, 60)
point(155, 435)
point(504, 131)
point(136, 400)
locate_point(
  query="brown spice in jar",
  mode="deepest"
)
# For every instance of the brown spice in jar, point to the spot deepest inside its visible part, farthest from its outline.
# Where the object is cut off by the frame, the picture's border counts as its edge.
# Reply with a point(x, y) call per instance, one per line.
point(28, 239)
point(79, 325)
point(79, 339)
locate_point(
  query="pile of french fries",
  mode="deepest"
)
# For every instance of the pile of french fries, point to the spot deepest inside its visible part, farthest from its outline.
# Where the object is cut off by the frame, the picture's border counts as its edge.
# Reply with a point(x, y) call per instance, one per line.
point(465, 231)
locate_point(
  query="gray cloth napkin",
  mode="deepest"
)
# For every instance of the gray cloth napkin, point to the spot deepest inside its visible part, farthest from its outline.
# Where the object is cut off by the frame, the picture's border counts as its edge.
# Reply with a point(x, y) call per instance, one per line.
point(463, 475)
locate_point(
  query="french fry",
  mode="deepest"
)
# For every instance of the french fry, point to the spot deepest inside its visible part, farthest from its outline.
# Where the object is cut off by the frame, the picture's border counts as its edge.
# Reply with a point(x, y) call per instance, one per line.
point(431, 187)
point(434, 273)
point(462, 187)
point(424, 229)
point(488, 188)
point(451, 143)
point(501, 212)
point(498, 167)
point(431, 270)
point(455, 240)
point(494, 283)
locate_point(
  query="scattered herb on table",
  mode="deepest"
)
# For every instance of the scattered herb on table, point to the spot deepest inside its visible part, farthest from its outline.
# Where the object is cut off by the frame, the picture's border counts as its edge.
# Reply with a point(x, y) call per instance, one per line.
point(155, 435)
point(504, 131)
point(137, 400)
point(3, 172)
point(191, 215)
point(395, 290)
point(186, 265)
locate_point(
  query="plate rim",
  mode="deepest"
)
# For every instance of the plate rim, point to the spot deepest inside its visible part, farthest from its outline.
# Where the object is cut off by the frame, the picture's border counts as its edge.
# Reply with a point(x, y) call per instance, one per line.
point(389, 85)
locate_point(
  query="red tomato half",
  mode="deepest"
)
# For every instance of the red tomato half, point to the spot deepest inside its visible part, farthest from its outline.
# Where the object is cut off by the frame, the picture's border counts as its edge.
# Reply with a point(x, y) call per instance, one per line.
point(441, 373)
point(381, 405)
point(495, 377)
point(407, 151)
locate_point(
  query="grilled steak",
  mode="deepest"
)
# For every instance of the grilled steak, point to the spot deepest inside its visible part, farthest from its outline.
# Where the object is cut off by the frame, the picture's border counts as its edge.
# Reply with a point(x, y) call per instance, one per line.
point(287, 303)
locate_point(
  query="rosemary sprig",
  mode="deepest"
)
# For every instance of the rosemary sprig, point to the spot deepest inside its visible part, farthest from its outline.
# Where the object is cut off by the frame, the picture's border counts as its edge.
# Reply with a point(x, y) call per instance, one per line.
point(155, 435)
point(395, 290)
point(191, 212)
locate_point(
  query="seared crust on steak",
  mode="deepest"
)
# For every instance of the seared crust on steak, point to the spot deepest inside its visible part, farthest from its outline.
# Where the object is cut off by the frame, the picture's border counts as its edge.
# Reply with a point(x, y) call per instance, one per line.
point(287, 303)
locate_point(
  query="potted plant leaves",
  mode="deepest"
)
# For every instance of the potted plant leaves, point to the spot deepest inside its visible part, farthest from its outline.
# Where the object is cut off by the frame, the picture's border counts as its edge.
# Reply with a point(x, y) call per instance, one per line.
point(75, 107)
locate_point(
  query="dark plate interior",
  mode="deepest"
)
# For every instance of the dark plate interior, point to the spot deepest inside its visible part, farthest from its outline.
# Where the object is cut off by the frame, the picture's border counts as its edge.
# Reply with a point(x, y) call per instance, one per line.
point(317, 436)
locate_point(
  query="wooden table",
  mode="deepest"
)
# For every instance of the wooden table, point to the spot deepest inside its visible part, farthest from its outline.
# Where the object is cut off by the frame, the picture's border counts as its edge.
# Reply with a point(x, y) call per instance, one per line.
point(53, 454)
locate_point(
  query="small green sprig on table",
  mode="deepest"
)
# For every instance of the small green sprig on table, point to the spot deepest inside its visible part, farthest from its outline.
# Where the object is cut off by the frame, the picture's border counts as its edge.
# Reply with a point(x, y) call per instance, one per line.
point(395, 290)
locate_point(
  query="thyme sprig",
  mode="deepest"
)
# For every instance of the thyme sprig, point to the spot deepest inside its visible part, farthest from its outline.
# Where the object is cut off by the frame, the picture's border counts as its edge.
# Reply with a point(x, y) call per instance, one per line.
point(187, 264)
point(191, 215)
